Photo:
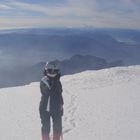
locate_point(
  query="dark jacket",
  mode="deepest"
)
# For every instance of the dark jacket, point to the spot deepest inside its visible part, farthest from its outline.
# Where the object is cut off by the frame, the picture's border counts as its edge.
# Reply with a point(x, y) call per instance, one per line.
point(51, 100)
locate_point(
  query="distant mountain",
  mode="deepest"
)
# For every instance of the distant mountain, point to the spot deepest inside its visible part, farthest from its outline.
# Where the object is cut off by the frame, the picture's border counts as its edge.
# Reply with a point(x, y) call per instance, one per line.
point(30, 46)
point(79, 63)
point(137, 38)
point(75, 64)
point(22, 49)
point(123, 35)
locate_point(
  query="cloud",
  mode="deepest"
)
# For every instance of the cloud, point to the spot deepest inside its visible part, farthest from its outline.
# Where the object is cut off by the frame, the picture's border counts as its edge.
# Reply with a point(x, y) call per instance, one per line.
point(4, 7)
point(68, 9)
point(81, 7)
point(97, 13)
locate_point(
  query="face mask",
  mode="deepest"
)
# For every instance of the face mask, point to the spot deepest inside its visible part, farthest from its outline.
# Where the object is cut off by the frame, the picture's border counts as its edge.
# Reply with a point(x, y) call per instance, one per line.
point(51, 75)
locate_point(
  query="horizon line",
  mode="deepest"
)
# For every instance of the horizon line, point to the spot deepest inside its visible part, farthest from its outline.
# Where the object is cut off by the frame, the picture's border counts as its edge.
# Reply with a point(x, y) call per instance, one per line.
point(66, 27)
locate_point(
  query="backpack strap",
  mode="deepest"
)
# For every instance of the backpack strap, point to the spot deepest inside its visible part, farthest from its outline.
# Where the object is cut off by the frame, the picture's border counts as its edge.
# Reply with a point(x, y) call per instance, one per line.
point(45, 81)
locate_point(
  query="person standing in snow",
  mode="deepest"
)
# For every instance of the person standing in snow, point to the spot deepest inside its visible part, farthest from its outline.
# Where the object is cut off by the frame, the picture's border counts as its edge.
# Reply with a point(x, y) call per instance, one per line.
point(51, 104)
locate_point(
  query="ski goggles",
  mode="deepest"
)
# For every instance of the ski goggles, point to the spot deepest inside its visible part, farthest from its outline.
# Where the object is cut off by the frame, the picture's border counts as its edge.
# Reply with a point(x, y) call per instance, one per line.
point(52, 71)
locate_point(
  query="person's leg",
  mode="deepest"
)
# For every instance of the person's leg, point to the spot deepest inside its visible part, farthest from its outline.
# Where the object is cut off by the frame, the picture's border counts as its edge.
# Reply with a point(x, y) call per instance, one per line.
point(57, 126)
point(45, 119)
point(45, 129)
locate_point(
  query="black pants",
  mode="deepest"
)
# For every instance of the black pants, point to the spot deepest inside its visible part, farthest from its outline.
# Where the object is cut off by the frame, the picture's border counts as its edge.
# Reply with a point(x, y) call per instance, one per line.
point(56, 115)
point(46, 123)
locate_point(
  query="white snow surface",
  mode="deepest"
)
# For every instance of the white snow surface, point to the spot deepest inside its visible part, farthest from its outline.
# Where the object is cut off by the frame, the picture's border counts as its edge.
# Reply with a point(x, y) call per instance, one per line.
point(99, 105)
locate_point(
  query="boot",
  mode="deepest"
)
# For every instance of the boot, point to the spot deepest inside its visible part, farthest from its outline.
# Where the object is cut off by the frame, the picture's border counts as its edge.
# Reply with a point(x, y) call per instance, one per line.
point(56, 136)
point(45, 136)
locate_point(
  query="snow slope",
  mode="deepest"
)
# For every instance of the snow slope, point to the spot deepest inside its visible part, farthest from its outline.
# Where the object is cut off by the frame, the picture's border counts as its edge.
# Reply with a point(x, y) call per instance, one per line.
point(99, 105)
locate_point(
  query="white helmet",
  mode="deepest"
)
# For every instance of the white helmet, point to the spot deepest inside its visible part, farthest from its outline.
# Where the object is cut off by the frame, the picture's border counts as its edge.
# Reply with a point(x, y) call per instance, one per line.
point(52, 69)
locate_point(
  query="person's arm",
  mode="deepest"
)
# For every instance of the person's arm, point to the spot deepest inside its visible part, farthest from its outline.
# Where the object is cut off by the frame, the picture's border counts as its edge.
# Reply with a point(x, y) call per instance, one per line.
point(61, 100)
point(61, 90)
point(43, 102)
point(43, 89)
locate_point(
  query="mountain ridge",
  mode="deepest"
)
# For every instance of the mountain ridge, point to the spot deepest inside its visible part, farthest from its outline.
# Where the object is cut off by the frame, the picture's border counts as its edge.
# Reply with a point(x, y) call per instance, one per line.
point(75, 64)
point(101, 105)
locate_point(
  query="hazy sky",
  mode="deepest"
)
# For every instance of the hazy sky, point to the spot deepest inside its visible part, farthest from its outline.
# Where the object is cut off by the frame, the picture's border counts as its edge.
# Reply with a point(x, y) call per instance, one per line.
point(69, 13)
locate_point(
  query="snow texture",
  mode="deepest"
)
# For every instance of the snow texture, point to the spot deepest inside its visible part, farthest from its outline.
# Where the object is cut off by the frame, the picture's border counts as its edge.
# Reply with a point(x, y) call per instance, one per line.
point(99, 105)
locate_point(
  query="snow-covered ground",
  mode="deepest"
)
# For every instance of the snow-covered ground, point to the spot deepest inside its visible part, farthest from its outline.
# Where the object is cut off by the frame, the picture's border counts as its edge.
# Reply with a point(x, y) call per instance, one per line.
point(99, 105)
